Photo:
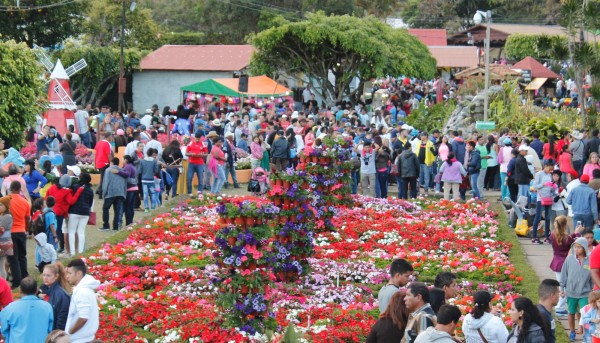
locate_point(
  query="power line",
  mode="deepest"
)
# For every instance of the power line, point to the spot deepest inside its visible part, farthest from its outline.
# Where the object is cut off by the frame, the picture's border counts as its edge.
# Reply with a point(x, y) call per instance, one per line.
point(5, 8)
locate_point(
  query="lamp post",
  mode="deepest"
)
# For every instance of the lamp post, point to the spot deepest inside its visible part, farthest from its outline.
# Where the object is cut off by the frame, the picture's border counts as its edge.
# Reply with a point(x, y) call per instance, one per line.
point(478, 18)
point(122, 86)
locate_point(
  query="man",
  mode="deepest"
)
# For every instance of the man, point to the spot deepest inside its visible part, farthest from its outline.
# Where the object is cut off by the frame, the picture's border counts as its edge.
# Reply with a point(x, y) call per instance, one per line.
point(447, 321)
point(366, 154)
point(132, 146)
point(577, 149)
point(153, 143)
point(592, 145)
point(82, 119)
point(447, 282)
point(28, 319)
point(537, 145)
point(426, 153)
point(42, 140)
point(484, 155)
point(229, 150)
point(421, 314)
point(280, 152)
point(306, 93)
point(458, 147)
point(473, 168)
point(533, 156)
point(113, 191)
point(146, 120)
point(196, 152)
point(104, 153)
point(400, 273)
point(83, 318)
point(572, 183)
point(408, 171)
point(549, 294)
point(583, 201)
point(20, 210)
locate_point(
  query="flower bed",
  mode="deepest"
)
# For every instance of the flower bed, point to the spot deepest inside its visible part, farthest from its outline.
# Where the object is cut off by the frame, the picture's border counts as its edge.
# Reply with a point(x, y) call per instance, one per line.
point(157, 285)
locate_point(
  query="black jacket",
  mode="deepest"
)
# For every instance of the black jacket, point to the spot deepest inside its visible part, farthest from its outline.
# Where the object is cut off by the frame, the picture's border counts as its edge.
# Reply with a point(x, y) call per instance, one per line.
point(474, 165)
point(408, 164)
point(60, 301)
point(591, 146)
point(522, 175)
point(84, 204)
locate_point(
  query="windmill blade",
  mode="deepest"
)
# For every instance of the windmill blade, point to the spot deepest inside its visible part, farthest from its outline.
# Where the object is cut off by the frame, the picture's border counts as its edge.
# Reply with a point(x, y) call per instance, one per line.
point(43, 58)
point(66, 101)
point(77, 66)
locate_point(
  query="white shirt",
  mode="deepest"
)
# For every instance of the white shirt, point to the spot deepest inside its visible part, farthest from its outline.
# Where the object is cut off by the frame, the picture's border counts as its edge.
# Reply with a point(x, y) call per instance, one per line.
point(84, 305)
point(155, 145)
point(565, 193)
point(131, 147)
point(306, 93)
point(146, 120)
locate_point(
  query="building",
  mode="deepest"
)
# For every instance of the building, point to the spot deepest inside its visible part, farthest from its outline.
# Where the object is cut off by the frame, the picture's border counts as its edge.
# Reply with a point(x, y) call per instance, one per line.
point(163, 72)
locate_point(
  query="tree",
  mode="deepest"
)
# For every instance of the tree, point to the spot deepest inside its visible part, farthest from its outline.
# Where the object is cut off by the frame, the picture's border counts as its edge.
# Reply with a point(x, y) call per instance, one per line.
point(39, 22)
point(93, 84)
point(519, 46)
point(103, 27)
point(23, 91)
point(343, 46)
point(337, 7)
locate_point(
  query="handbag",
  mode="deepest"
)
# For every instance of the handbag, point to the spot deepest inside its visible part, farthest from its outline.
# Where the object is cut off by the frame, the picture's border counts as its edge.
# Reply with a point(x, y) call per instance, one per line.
point(438, 178)
point(293, 153)
point(253, 186)
point(92, 217)
point(547, 201)
point(466, 183)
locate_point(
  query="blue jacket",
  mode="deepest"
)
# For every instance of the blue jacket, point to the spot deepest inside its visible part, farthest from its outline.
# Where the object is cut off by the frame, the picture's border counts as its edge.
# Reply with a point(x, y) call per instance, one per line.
point(114, 185)
point(583, 201)
point(27, 320)
point(84, 203)
point(474, 165)
point(60, 301)
point(33, 180)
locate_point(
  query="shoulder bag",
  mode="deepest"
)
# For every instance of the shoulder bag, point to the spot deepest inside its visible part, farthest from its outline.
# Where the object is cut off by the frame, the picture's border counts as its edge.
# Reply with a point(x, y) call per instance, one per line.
point(482, 336)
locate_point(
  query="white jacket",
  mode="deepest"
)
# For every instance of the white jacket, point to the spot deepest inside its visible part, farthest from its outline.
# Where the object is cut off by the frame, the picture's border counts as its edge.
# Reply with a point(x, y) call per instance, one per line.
point(84, 305)
point(492, 328)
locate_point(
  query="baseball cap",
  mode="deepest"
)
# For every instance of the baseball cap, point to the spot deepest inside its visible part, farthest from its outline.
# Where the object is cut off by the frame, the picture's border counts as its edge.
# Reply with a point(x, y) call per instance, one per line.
point(75, 169)
point(523, 147)
point(585, 178)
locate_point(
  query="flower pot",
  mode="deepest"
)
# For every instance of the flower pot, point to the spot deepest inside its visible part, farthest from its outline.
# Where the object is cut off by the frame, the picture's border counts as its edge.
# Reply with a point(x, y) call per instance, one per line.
point(250, 221)
point(244, 289)
point(258, 221)
point(305, 185)
point(251, 266)
point(240, 221)
point(279, 182)
point(322, 160)
point(242, 175)
point(231, 240)
point(314, 159)
point(293, 218)
point(286, 202)
point(255, 290)
point(277, 201)
point(230, 221)
point(223, 221)
point(286, 184)
point(283, 219)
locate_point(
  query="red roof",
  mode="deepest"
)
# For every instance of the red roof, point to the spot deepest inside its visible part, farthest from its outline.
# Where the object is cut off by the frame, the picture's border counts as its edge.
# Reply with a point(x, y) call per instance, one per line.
point(455, 56)
point(198, 58)
point(537, 69)
point(430, 37)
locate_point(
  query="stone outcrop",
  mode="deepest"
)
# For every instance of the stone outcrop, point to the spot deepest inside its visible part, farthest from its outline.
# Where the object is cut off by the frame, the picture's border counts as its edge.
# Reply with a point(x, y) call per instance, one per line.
point(469, 110)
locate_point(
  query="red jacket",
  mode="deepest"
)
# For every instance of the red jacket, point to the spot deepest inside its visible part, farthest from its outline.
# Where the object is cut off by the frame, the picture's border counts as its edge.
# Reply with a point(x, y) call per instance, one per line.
point(103, 152)
point(64, 197)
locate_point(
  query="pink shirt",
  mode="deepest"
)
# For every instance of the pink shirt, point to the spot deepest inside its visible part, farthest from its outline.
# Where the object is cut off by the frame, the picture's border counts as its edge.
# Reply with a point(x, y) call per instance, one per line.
point(443, 151)
point(589, 168)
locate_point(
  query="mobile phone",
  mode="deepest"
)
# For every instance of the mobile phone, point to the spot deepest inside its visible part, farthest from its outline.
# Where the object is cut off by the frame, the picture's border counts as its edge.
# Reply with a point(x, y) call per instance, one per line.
point(578, 223)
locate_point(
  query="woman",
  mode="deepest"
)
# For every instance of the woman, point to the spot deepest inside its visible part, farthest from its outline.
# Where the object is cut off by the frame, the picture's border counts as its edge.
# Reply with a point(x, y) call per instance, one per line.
point(62, 193)
point(452, 174)
point(67, 149)
point(443, 149)
point(6, 243)
point(57, 289)
point(256, 152)
point(561, 245)
point(392, 322)
point(504, 158)
point(492, 164)
point(511, 184)
point(589, 167)
point(119, 122)
point(173, 157)
point(33, 180)
point(149, 167)
point(53, 145)
point(383, 158)
point(217, 166)
point(130, 172)
point(481, 323)
point(120, 139)
point(565, 162)
point(529, 326)
point(106, 125)
point(549, 150)
point(79, 212)
point(265, 162)
point(14, 175)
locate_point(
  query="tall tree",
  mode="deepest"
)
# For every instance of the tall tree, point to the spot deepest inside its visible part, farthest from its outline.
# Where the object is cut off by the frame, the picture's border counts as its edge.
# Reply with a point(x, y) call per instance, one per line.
point(22, 90)
point(343, 46)
point(46, 23)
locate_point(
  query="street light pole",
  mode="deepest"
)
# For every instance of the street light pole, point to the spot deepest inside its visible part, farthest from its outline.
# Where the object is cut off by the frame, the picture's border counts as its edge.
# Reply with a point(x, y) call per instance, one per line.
point(478, 18)
point(121, 60)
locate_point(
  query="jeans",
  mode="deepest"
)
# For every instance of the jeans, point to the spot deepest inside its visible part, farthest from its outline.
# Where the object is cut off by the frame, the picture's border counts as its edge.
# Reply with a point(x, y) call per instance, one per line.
point(538, 216)
point(77, 225)
point(102, 171)
point(481, 182)
point(587, 220)
point(230, 169)
point(149, 190)
point(174, 172)
point(355, 181)
point(207, 182)
point(59, 231)
point(474, 189)
point(377, 189)
point(18, 261)
point(434, 170)
point(367, 182)
point(504, 193)
point(85, 139)
point(129, 206)
point(219, 179)
point(523, 192)
point(118, 210)
point(382, 177)
point(425, 176)
point(578, 166)
point(195, 169)
point(400, 186)
point(414, 187)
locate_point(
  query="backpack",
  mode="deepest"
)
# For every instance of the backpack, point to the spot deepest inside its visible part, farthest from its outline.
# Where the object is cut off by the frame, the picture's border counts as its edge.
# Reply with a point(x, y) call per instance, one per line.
point(39, 224)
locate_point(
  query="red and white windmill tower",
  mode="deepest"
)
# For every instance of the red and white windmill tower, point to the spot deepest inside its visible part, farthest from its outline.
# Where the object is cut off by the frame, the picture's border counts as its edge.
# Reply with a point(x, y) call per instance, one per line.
point(61, 106)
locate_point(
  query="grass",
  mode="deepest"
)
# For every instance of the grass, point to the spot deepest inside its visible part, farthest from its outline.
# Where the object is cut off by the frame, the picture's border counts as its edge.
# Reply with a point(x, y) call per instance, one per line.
point(517, 257)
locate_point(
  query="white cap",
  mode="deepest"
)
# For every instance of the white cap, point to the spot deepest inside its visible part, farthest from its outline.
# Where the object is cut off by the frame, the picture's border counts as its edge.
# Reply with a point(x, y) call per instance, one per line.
point(229, 134)
point(148, 111)
point(523, 147)
point(294, 114)
point(75, 169)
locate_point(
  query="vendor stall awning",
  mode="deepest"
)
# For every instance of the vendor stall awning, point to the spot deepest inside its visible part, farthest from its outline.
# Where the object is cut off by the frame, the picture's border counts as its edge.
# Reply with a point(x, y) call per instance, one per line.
point(259, 86)
point(536, 83)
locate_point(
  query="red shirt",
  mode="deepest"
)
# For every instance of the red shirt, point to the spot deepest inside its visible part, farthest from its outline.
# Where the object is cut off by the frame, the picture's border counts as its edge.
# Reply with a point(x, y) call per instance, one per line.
point(62, 197)
point(197, 148)
point(5, 294)
point(20, 209)
point(546, 151)
point(103, 151)
point(594, 260)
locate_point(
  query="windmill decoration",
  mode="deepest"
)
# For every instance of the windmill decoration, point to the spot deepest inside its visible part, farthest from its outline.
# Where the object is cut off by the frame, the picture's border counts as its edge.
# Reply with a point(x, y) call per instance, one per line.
point(60, 113)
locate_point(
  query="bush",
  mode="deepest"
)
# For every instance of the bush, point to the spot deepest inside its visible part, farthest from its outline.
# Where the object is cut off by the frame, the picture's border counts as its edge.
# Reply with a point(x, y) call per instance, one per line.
point(432, 117)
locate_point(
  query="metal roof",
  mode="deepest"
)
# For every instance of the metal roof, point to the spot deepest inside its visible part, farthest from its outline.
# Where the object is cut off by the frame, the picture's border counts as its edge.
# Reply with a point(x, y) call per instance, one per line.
point(198, 58)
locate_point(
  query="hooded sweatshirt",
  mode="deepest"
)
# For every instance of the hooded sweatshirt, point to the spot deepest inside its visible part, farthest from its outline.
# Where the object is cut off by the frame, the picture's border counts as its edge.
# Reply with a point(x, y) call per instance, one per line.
point(44, 251)
point(575, 277)
point(84, 305)
point(433, 335)
point(492, 328)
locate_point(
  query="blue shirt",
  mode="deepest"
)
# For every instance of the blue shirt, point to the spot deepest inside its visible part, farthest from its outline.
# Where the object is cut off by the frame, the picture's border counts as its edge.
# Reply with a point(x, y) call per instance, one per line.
point(34, 180)
point(27, 320)
point(50, 218)
point(583, 201)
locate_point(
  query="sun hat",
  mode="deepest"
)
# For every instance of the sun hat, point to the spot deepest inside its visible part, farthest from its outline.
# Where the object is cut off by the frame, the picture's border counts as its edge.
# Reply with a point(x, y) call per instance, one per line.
point(523, 147)
point(75, 169)
point(6, 201)
point(216, 122)
point(212, 134)
point(576, 134)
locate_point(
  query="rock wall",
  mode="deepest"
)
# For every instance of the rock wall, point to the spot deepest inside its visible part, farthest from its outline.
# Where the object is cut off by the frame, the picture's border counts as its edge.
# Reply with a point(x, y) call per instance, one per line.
point(468, 111)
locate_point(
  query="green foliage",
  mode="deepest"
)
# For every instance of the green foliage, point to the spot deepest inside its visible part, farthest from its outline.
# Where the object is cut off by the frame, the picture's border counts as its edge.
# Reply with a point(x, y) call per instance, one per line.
point(335, 7)
point(505, 107)
point(47, 27)
point(94, 83)
point(346, 46)
point(544, 126)
point(103, 27)
point(434, 117)
point(183, 38)
point(519, 46)
point(22, 90)
point(290, 335)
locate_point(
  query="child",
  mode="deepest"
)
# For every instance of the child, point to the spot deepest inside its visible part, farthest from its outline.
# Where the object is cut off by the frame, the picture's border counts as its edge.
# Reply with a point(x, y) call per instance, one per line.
point(51, 222)
point(576, 281)
point(44, 252)
point(588, 234)
point(590, 316)
point(36, 210)
point(561, 245)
